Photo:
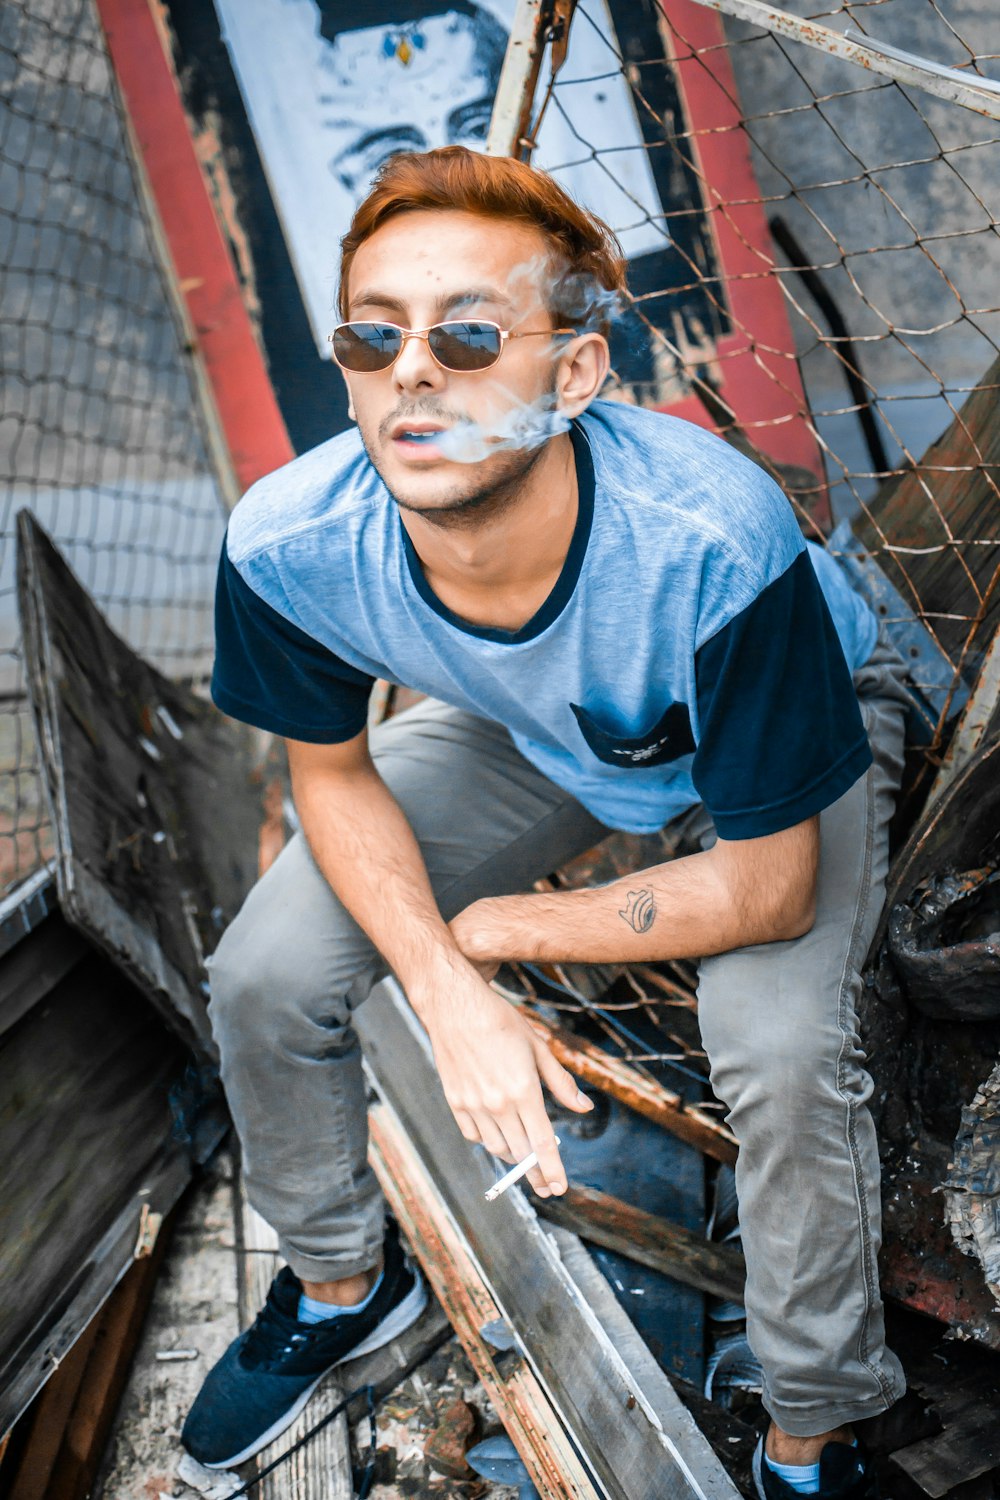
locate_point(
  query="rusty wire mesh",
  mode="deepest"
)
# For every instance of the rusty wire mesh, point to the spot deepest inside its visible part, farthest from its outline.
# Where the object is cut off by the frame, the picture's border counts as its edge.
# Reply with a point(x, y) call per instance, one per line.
point(100, 432)
point(876, 199)
point(861, 217)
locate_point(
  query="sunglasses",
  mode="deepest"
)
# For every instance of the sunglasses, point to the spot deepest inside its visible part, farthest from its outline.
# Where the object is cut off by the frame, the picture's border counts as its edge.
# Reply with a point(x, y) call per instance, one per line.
point(464, 347)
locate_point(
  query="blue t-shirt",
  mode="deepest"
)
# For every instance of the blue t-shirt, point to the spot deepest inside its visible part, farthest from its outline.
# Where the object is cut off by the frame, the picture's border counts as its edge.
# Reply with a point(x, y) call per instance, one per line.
point(693, 649)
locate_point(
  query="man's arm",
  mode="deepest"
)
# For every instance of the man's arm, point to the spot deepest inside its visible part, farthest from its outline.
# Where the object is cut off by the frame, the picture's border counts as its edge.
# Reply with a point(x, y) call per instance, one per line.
point(491, 1064)
point(733, 895)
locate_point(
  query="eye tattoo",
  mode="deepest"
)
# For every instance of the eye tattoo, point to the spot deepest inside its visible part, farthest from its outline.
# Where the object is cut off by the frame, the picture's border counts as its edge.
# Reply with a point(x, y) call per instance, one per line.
point(640, 911)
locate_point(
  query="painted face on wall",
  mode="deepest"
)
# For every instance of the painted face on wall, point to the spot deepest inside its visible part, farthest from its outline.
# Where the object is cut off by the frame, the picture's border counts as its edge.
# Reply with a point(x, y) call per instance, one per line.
point(409, 88)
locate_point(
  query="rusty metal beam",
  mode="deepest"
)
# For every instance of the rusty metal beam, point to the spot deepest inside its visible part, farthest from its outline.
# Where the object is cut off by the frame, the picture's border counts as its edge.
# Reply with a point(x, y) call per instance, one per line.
point(536, 24)
point(646, 1097)
point(602, 1219)
point(953, 84)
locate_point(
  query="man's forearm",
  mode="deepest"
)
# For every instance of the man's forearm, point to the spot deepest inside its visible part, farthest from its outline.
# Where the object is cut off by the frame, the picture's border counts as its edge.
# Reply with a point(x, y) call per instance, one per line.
point(689, 908)
point(366, 849)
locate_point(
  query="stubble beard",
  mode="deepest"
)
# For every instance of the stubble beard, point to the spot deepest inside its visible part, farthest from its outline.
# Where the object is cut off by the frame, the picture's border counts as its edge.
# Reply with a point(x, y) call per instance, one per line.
point(467, 510)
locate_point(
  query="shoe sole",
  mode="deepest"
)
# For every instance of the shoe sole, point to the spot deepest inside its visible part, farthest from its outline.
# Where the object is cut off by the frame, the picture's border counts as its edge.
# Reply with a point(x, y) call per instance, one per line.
point(758, 1477)
point(395, 1323)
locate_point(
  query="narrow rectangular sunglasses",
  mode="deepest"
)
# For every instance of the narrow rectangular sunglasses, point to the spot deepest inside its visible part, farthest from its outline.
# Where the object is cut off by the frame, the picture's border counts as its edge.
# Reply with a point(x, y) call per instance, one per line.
point(461, 346)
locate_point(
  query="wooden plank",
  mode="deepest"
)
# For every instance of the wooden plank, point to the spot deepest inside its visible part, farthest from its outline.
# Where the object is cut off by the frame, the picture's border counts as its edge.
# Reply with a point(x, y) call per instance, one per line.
point(33, 968)
point(87, 1142)
point(458, 1283)
point(968, 1445)
point(322, 1470)
point(589, 1385)
point(587, 1061)
point(605, 1220)
point(202, 266)
point(69, 1423)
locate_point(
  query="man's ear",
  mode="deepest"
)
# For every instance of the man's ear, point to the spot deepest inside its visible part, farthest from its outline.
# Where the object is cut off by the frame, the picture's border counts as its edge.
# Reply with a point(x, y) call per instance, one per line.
point(582, 370)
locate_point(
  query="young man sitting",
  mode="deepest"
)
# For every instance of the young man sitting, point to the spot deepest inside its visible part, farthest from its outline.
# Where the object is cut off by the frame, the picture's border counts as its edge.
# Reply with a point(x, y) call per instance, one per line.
point(614, 617)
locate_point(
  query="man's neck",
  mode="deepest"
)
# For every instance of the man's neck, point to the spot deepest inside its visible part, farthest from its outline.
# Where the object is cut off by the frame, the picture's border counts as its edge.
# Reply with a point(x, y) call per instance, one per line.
point(504, 567)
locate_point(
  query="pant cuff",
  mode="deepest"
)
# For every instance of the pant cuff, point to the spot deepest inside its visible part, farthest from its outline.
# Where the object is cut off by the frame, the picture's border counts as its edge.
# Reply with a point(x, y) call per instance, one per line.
point(804, 1422)
point(308, 1268)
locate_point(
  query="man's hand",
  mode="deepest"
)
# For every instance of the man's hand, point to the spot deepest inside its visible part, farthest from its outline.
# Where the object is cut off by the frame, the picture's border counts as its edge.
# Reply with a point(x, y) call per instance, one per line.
point(492, 1067)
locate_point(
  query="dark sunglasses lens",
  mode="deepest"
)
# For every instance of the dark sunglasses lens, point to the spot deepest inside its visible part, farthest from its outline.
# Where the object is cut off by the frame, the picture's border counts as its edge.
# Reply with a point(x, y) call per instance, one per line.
point(466, 346)
point(366, 346)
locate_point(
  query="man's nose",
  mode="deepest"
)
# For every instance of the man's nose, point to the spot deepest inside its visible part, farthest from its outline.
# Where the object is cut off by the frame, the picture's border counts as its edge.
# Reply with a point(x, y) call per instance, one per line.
point(416, 367)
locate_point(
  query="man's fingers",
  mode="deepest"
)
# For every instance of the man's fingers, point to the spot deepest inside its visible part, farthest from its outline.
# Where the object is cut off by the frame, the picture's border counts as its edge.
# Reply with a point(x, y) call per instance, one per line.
point(543, 1140)
point(467, 1125)
point(493, 1138)
point(560, 1084)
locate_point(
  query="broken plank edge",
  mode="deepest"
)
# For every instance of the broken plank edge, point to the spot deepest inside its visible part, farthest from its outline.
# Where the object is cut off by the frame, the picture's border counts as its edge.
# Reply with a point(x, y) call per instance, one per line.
point(458, 1283)
point(587, 1382)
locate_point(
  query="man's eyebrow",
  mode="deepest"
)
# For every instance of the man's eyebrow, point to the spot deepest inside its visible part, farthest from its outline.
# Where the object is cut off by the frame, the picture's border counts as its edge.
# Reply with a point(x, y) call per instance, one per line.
point(447, 302)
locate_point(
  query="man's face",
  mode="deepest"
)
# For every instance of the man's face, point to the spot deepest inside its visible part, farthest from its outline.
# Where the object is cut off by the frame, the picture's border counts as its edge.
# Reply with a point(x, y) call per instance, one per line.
point(428, 267)
point(440, 95)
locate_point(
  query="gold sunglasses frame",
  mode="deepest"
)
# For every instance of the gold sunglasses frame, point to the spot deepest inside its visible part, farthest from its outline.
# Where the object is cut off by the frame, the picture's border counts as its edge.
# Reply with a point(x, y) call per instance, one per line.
point(424, 335)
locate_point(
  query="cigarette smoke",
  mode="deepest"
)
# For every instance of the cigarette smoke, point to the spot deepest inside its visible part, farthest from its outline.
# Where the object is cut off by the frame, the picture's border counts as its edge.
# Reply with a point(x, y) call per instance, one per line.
point(578, 301)
point(523, 426)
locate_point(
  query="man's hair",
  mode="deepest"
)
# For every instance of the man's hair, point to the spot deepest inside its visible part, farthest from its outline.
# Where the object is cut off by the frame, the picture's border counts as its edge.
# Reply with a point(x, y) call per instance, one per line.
point(584, 284)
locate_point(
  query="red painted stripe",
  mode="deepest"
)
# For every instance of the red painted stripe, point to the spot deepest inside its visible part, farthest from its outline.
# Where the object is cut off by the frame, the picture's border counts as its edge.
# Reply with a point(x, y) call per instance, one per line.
point(757, 363)
point(244, 397)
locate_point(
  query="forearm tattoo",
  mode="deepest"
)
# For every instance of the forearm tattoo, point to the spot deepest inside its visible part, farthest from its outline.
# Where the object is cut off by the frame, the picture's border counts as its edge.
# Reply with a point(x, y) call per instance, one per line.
point(639, 911)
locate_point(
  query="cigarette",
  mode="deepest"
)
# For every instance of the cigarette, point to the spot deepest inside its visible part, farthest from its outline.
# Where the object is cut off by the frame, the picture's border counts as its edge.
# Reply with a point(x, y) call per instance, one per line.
point(514, 1175)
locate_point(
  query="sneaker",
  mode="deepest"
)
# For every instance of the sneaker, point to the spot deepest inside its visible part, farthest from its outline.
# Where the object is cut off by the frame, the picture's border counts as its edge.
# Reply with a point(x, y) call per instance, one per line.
point(268, 1373)
point(844, 1474)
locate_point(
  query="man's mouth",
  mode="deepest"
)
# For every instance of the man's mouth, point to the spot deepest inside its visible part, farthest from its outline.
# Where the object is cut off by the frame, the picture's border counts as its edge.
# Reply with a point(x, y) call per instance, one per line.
point(411, 439)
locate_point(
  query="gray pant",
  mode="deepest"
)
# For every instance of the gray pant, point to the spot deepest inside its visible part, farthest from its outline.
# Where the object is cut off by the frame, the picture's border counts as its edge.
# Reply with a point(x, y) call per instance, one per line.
point(778, 1022)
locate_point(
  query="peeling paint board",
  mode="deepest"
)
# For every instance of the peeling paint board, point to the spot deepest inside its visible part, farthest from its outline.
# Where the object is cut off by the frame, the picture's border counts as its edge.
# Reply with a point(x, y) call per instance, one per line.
point(322, 1469)
point(590, 1385)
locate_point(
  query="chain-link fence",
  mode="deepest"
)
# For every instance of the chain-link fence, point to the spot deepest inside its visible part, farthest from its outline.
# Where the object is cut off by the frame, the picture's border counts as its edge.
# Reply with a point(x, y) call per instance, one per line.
point(100, 433)
point(826, 292)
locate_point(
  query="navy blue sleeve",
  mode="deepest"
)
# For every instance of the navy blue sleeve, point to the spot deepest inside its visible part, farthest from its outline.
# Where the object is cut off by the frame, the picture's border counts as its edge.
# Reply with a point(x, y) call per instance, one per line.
point(269, 673)
point(781, 731)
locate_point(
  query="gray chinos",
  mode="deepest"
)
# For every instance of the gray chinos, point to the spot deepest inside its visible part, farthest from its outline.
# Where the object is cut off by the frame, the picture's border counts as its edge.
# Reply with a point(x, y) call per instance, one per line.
point(778, 1021)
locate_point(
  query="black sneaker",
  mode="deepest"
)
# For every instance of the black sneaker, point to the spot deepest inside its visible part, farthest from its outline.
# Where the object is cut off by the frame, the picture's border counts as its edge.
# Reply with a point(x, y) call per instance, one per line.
point(268, 1373)
point(844, 1474)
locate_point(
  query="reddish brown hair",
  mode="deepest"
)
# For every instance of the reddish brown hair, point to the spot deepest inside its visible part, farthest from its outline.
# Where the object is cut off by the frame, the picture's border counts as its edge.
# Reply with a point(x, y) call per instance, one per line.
point(589, 272)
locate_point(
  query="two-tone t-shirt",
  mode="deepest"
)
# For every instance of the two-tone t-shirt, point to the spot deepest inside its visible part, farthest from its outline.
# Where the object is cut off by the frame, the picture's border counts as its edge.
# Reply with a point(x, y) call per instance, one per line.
point(694, 647)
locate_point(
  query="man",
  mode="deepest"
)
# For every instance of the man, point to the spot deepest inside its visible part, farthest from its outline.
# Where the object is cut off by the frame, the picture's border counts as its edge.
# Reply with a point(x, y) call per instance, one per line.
point(614, 616)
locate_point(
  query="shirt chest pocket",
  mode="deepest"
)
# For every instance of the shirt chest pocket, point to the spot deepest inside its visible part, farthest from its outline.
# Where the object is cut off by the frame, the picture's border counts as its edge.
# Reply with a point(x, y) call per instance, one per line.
point(666, 740)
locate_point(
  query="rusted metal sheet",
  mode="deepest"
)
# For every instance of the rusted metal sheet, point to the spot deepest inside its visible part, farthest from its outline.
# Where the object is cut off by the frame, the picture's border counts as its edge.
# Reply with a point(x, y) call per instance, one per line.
point(642, 1094)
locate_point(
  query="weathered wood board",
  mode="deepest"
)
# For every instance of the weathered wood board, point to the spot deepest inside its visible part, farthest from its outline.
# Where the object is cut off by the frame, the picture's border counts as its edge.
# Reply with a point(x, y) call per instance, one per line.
point(157, 798)
point(934, 530)
point(87, 1147)
point(591, 1387)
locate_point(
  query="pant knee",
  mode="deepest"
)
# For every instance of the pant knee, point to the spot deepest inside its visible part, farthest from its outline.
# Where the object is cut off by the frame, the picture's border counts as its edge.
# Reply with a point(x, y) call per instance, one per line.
point(266, 992)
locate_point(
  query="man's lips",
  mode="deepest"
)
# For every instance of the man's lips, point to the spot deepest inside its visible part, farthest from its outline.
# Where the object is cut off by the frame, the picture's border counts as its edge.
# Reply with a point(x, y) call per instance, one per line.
point(423, 430)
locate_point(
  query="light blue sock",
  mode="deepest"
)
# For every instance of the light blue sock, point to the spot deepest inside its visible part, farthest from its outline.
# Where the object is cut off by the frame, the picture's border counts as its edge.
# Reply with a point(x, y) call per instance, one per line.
point(313, 1311)
point(802, 1478)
